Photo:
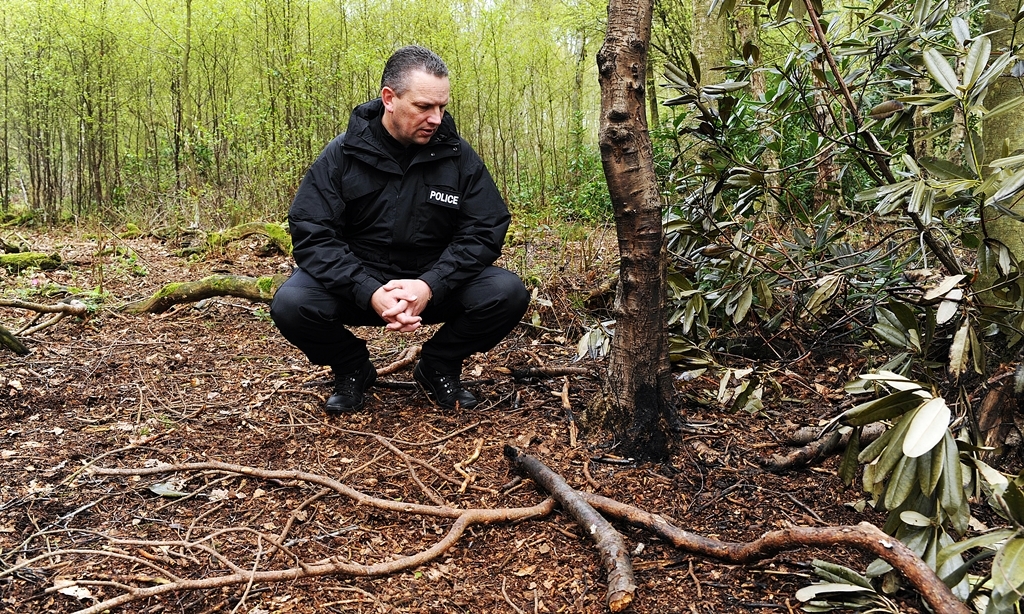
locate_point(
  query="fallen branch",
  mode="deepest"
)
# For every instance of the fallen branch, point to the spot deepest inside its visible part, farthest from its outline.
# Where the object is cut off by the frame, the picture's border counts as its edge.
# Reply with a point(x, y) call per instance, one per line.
point(260, 289)
point(548, 372)
point(614, 555)
point(8, 340)
point(405, 359)
point(817, 447)
point(236, 574)
point(864, 537)
point(58, 311)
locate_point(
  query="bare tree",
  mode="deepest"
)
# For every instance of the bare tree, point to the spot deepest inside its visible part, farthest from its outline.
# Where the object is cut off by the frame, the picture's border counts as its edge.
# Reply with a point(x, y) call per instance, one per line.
point(637, 400)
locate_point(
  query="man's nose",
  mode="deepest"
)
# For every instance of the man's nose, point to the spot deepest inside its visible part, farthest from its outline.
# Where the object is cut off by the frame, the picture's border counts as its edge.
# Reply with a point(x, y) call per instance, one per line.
point(435, 116)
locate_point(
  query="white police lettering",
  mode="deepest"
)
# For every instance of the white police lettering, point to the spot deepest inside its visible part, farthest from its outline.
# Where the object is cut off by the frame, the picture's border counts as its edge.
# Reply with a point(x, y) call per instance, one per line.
point(451, 199)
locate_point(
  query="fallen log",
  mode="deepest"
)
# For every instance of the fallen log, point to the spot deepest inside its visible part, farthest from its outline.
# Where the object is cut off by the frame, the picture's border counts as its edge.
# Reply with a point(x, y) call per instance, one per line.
point(276, 233)
point(27, 260)
point(614, 555)
point(259, 289)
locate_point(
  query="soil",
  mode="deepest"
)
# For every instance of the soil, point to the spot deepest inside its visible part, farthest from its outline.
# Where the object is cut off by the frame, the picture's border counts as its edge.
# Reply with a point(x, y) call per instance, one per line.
point(214, 380)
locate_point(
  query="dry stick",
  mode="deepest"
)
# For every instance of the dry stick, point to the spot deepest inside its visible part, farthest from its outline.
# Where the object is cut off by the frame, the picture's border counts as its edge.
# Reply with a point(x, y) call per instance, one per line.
point(567, 406)
point(864, 537)
point(407, 358)
point(614, 555)
point(508, 600)
point(422, 463)
point(589, 478)
point(430, 494)
point(461, 465)
point(529, 372)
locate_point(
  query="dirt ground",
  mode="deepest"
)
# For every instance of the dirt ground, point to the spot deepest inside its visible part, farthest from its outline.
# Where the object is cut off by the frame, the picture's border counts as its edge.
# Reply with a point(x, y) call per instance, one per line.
point(214, 381)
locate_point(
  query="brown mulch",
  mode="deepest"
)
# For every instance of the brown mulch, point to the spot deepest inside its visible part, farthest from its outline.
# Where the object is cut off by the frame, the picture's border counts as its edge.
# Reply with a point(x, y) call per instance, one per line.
point(215, 381)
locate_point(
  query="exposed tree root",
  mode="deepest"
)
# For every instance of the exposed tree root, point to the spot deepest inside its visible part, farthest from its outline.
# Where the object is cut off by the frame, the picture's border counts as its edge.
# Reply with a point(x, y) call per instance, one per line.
point(246, 576)
point(585, 508)
point(614, 555)
point(864, 537)
point(259, 289)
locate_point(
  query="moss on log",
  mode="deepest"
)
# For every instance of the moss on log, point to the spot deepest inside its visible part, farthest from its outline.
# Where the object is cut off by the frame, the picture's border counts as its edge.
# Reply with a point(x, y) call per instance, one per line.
point(276, 233)
point(27, 260)
point(258, 289)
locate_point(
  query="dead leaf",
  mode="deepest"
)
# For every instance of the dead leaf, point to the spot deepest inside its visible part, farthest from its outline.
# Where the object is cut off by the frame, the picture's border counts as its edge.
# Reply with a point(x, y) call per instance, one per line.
point(525, 571)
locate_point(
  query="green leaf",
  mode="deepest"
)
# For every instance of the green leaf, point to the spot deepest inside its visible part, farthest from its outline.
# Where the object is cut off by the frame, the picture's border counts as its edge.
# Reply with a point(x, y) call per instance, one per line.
point(978, 541)
point(875, 448)
point(828, 288)
point(884, 408)
point(927, 429)
point(1007, 576)
point(890, 335)
point(840, 574)
point(941, 71)
point(930, 473)
point(848, 465)
point(1010, 187)
point(746, 298)
point(1004, 107)
point(915, 519)
point(951, 487)
point(893, 453)
point(815, 590)
point(977, 58)
point(901, 483)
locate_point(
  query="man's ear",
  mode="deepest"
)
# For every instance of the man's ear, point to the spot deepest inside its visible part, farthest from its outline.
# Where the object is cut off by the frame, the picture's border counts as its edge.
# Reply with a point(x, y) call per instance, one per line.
point(387, 96)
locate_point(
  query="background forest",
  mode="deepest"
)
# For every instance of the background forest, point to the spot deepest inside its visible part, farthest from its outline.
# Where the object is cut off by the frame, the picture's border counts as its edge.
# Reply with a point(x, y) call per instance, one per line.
point(209, 112)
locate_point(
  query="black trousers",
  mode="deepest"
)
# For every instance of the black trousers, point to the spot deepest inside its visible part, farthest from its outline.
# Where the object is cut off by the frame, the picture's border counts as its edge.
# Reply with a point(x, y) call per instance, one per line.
point(477, 316)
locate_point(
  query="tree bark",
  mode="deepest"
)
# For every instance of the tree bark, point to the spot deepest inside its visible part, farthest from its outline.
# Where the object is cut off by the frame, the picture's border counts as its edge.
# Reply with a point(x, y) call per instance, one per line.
point(637, 401)
point(1004, 134)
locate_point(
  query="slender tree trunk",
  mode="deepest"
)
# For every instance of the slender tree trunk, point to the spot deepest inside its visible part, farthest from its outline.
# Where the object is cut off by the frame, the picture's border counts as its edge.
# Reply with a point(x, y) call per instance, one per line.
point(637, 402)
point(1004, 134)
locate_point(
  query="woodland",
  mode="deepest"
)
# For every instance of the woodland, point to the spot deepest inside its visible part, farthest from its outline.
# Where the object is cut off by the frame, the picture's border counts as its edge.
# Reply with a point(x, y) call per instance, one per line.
point(772, 359)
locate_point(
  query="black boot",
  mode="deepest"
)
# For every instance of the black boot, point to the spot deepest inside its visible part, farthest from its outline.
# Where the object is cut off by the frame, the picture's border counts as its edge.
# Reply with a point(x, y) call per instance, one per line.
point(349, 388)
point(445, 390)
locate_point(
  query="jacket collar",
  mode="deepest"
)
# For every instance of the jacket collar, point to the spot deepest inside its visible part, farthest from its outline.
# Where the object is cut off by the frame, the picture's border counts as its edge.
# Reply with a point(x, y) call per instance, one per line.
point(360, 137)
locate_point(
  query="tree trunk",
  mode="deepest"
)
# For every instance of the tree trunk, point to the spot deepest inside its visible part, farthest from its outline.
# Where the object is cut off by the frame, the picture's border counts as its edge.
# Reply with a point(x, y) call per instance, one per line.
point(1004, 133)
point(637, 403)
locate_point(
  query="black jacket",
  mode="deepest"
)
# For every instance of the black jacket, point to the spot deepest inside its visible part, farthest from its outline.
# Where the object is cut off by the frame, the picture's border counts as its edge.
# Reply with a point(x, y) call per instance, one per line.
point(358, 220)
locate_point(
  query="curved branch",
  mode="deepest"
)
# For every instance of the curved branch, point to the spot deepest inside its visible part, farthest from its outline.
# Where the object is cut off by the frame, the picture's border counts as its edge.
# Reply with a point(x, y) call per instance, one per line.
point(864, 537)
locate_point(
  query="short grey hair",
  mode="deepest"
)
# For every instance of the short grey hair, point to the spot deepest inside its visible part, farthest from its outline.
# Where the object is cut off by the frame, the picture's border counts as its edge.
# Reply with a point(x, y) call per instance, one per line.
point(407, 60)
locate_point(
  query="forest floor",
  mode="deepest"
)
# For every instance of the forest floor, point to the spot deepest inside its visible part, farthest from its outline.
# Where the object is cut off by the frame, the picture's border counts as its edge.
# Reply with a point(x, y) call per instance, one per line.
point(215, 381)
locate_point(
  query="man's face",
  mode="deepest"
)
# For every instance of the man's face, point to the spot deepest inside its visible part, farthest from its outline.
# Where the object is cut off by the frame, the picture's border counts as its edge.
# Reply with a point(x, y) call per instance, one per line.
point(414, 116)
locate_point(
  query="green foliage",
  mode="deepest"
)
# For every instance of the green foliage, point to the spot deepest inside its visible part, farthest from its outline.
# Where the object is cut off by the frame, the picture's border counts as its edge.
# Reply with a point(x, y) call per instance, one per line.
point(823, 204)
point(208, 113)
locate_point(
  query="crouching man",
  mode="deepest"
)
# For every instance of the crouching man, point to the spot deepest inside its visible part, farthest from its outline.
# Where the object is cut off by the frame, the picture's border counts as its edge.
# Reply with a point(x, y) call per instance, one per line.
point(398, 224)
